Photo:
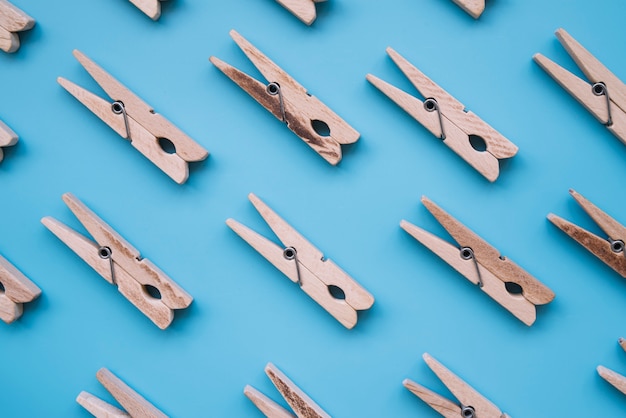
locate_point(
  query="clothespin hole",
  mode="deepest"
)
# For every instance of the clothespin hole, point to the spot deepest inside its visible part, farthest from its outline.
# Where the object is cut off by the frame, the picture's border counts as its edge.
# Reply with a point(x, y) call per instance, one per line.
point(152, 291)
point(167, 145)
point(336, 292)
point(477, 143)
point(1, 288)
point(320, 127)
point(513, 288)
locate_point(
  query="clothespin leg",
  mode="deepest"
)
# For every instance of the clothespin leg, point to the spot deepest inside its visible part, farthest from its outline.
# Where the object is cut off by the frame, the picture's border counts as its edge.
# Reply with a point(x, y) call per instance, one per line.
point(474, 7)
point(267, 406)
point(99, 408)
point(152, 8)
point(615, 379)
point(135, 404)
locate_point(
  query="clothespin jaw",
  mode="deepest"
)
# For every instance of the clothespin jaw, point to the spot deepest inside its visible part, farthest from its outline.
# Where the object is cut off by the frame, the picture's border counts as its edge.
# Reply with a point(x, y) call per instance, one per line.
point(12, 20)
point(610, 250)
point(302, 9)
point(483, 265)
point(473, 7)
point(15, 290)
point(304, 264)
point(136, 406)
point(7, 137)
point(152, 8)
point(119, 263)
point(135, 120)
point(470, 403)
point(289, 102)
point(446, 118)
point(300, 402)
point(604, 96)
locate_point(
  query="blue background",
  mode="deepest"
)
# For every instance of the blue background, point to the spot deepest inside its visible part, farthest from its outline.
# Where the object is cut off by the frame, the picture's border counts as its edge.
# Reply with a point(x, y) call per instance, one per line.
point(245, 313)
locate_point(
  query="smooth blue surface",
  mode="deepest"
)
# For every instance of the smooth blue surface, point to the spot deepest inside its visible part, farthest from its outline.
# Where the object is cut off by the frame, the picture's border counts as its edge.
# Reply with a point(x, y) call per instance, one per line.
point(245, 313)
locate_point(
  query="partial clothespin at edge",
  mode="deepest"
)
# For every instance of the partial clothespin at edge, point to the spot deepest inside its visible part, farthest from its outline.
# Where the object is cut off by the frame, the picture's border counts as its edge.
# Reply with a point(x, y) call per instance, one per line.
point(471, 404)
point(290, 103)
point(482, 264)
point(152, 8)
point(12, 20)
point(446, 118)
point(7, 138)
point(604, 95)
point(302, 405)
point(614, 378)
point(610, 250)
point(135, 120)
point(474, 7)
point(136, 406)
point(304, 264)
point(119, 263)
point(15, 290)
point(302, 9)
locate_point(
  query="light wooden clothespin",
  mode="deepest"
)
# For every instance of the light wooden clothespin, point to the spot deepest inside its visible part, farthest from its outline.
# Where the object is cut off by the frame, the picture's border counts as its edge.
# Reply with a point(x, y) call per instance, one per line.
point(304, 264)
point(446, 118)
point(7, 138)
point(12, 20)
point(119, 263)
point(135, 120)
point(302, 405)
point(614, 378)
point(470, 404)
point(604, 96)
point(482, 264)
point(15, 290)
point(152, 8)
point(136, 406)
point(611, 249)
point(474, 7)
point(290, 103)
point(303, 9)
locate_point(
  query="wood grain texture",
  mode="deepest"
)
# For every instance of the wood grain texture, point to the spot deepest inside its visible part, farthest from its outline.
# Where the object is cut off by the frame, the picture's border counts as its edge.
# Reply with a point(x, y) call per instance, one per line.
point(268, 407)
point(474, 7)
point(7, 136)
point(303, 9)
point(615, 379)
point(152, 8)
point(18, 289)
point(12, 20)
point(99, 408)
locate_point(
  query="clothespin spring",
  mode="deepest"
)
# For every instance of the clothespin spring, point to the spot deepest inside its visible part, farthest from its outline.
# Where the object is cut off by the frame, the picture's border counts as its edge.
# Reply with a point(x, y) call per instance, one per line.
point(290, 253)
point(431, 105)
point(599, 89)
point(468, 411)
point(617, 245)
point(118, 108)
point(468, 254)
point(273, 89)
point(106, 254)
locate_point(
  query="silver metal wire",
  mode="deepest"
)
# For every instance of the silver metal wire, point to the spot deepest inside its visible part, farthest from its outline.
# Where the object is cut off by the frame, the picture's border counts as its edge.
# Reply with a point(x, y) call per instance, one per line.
point(431, 105)
point(106, 254)
point(273, 89)
point(468, 254)
point(599, 89)
point(290, 253)
point(118, 108)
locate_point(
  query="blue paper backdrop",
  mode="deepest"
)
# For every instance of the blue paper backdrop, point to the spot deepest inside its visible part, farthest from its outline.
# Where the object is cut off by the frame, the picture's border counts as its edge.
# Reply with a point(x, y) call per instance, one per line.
point(245, 313)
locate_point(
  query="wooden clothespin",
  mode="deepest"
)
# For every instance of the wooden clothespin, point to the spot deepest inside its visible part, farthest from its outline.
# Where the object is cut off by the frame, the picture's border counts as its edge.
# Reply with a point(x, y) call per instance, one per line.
point(474, 7)
point(604, 96)
point(609, 250)
point(7, 137)
point(135, 120)
point(304, 264)
point(303, 9)
point(483, 265)
point(152, 8)
point(119, 263)
point(614, 378)
point(289, 102)
point(446, 118)
point(302, 405)
point(136, 406)
point(15, 290)
point(470, 404)
point(12, 20)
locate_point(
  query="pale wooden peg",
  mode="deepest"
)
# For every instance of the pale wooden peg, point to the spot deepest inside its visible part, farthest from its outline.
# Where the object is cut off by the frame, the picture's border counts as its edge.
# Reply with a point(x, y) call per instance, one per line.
point(304, 264)
point(152, 8)
point(136, 406)
point(470, 402)
point(7, 138)
point(473, 7)
point(301, 404)
point(289, 102)
point(119, 263)
point(615, 379)
point(12, 20)
point(622, 343)
point(302, 9)
point(15, 290)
